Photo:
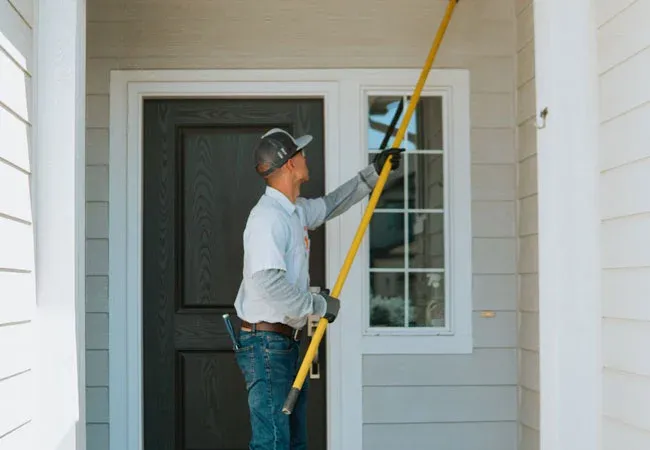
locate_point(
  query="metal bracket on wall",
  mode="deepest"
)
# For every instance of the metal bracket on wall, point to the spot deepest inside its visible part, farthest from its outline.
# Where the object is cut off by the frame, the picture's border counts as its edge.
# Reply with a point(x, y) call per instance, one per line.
point(542, 115)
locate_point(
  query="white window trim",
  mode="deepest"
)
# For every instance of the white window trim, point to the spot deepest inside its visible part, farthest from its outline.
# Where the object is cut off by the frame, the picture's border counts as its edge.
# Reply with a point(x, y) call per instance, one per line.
point(456, 337)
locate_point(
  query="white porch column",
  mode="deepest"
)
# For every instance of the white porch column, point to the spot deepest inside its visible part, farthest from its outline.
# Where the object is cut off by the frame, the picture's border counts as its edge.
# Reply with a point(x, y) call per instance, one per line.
point(59, 197)
point(569, 222)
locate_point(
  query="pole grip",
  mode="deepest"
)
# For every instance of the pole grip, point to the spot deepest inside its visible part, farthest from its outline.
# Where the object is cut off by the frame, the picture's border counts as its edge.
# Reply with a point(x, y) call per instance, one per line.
point(291, 400)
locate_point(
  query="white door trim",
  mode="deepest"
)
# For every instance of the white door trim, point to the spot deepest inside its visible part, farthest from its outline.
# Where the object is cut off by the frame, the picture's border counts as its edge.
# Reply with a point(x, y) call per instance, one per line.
point(128, 89)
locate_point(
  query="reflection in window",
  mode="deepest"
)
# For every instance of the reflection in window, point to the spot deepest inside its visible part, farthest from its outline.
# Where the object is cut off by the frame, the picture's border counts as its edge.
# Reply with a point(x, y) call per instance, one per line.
point(407, 231)
point(427, 117)
point(387, 299)
point(426, 244)
point(386, 232)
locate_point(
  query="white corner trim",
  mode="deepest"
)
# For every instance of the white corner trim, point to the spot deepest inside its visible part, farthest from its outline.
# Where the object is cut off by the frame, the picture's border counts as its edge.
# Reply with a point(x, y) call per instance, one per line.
point(569, 225)
point(56, 107)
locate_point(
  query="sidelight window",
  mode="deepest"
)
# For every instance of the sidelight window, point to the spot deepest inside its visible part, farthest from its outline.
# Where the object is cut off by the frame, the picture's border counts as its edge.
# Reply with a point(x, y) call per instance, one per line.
point(419, 237)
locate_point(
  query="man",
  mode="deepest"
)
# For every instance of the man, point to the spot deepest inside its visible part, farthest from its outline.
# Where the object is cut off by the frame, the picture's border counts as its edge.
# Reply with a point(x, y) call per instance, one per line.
point(274, 301)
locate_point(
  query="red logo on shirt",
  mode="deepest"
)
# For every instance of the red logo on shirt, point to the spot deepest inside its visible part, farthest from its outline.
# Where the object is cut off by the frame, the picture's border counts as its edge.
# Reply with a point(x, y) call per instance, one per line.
point(306, 240)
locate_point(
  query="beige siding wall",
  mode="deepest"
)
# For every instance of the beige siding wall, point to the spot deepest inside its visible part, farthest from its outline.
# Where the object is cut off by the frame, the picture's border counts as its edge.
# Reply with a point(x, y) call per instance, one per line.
point(339, 33)
point(528, 323)
point(17, 289)
point(624, 68)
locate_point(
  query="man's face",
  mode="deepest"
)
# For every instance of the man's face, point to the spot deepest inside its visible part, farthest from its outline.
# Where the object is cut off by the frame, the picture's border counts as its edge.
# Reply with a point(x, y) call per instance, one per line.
point(299, 165)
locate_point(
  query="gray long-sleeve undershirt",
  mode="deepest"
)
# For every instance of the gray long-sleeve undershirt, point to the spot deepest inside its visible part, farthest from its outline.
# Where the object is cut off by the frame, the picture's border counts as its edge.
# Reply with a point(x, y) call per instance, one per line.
point(273, 282)
point(274, 285)
point(349, 193)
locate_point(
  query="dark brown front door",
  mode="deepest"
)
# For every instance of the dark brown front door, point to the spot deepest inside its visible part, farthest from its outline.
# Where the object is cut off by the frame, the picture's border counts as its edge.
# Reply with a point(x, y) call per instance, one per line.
point(199, 186)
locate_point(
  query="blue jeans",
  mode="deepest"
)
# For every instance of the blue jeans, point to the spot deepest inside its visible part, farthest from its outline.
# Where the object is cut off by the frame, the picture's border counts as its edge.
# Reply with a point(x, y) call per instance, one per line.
point(269, 363)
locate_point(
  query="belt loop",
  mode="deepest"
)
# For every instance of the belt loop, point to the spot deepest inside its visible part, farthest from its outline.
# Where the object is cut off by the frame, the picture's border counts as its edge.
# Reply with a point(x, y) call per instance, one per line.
point(253, 328)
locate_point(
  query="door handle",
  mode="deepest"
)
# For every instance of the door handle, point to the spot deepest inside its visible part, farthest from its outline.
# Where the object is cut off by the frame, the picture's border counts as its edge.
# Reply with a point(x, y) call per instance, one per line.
point(312, 324)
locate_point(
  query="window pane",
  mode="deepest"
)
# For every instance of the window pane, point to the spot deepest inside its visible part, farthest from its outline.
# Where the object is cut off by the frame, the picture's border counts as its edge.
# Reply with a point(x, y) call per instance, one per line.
point(386, 240)
point(426, 240)
point(381, 113)
point(429, 123)
point(425, 130)
point(425, 181)
point(403, 298)
point(387, 299)
point(426, 300)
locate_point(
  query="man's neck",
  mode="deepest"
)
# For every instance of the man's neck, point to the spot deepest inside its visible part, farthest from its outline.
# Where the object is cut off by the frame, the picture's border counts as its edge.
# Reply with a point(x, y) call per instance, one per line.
point(290, 190)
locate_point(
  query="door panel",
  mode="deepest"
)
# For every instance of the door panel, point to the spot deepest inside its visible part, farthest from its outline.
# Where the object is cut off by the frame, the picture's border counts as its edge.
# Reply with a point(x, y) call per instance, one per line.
point(214, 208)
point(198, 188)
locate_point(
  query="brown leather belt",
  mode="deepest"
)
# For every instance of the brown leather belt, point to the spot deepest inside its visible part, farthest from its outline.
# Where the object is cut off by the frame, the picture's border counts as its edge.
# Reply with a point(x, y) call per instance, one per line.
point(275, 327)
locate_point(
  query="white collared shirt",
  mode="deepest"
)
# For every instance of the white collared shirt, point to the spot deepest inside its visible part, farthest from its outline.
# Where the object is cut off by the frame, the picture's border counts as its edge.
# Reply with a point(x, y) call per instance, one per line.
point(276, 237)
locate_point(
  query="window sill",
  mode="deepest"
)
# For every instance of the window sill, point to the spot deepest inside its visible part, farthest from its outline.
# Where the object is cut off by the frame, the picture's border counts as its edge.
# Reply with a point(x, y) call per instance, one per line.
point(429, 344)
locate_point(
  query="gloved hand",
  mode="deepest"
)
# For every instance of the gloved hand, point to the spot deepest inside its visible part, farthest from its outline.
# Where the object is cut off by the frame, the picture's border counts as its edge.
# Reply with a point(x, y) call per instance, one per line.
point(380, 159)
point(332, 305)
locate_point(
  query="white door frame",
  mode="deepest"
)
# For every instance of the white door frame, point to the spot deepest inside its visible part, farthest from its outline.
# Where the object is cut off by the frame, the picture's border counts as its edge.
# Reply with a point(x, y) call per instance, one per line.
point(127, 91)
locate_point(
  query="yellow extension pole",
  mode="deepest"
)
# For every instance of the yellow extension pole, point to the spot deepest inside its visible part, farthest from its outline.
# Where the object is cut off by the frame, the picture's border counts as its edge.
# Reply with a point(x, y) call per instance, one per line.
point(383, 176)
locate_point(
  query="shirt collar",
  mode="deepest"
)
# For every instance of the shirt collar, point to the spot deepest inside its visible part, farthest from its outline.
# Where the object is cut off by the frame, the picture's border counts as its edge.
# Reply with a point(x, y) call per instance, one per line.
point(280, 198)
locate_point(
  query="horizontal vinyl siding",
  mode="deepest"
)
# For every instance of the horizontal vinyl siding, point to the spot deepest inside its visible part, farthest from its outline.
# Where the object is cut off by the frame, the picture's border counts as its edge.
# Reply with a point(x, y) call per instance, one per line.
point(18, 296)
point(298, 34)
point(615, 432)
point(14, 139)
point(487, 366)
point(16, 39)
point(616, 43)
point(446, 400)
point(528, 293)
point(17, 287)
point(297, 29)
point(15, 391)
point(416, 404)
point(19, 438)
point(447, 436)
point(632, 336)
point(627, 287)
point(624, 65)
